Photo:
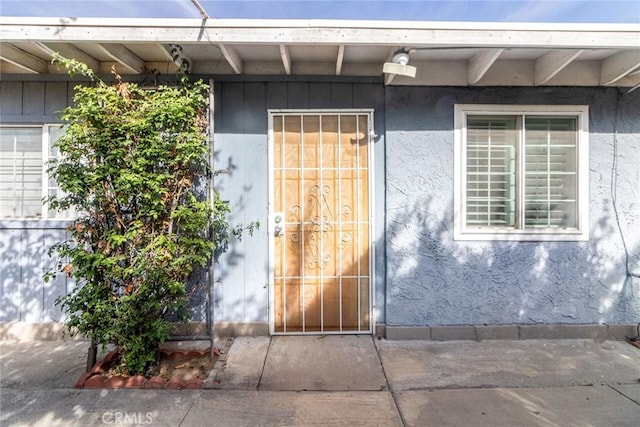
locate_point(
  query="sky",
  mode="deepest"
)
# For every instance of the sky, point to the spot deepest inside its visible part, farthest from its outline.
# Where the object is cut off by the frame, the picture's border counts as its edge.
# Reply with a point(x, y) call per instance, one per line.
point(585, 11)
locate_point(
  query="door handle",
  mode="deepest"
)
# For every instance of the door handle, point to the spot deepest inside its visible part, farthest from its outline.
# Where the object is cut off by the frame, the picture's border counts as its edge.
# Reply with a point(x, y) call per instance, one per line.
point(278, 224)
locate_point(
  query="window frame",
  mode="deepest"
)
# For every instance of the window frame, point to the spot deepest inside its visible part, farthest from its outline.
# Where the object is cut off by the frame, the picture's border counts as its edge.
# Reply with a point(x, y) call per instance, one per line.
point(462, 232)
point(45, 132)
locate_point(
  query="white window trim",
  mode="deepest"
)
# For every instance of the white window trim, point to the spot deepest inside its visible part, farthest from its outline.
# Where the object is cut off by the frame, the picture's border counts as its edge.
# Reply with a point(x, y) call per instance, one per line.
point(460, 232)
point(45, 135)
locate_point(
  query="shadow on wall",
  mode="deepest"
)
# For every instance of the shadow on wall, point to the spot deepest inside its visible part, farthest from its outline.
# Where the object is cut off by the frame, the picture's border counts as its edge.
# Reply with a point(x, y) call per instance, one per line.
point(24, 296)
point(240, 292)
point(434, 280)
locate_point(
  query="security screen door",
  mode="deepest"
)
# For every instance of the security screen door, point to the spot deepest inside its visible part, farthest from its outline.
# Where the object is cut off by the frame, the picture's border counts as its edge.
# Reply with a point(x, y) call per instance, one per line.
point(321, 222)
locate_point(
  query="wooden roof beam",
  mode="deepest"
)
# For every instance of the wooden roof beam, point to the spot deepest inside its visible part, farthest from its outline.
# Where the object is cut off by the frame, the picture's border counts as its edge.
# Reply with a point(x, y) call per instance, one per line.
point(232, 57)
point(22, 59)
point(619, 65)
point(286, 58)
point(70, 52)
point(124, 56)
point(551, 63)
point(480, 63)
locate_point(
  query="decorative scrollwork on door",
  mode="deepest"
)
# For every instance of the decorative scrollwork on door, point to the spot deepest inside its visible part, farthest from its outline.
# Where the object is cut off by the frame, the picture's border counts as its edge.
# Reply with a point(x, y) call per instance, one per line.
point(321, 223)
point(294, 213)
point(345, 240)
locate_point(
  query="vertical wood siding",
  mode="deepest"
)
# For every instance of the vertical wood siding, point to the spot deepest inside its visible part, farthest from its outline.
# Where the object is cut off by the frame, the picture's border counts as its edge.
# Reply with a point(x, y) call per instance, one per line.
point(240, 145)
point(24, 296)
point(33, 102)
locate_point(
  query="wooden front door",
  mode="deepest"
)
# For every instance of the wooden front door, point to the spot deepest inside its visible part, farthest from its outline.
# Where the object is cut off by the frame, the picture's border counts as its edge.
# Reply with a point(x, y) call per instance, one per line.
point(321, 277)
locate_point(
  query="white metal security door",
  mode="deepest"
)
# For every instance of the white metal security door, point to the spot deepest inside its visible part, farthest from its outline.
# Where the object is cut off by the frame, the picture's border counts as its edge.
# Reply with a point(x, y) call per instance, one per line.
point(321, 222)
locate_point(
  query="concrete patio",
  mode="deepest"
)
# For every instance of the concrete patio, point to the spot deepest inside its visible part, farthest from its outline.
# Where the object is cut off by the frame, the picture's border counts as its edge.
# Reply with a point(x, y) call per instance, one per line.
point(344, 380)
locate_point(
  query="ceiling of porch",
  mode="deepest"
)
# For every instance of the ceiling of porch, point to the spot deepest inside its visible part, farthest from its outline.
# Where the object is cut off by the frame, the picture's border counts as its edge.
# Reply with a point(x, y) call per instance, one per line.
point(457, 54)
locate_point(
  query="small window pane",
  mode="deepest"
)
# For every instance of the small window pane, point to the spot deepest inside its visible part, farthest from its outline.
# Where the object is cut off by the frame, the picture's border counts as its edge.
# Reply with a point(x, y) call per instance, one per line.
point(20, 172)
point(551, 191)
point(491, 172)
point(55, 132)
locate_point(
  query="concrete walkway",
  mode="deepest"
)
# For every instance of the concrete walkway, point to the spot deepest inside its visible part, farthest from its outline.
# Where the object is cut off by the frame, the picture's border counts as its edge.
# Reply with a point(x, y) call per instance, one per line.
point(343, 380)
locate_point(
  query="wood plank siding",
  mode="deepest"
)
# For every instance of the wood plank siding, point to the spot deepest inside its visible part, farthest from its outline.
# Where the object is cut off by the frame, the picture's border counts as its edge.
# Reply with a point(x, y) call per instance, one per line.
point(240, 145)
point(241, 148)
point(24, 296)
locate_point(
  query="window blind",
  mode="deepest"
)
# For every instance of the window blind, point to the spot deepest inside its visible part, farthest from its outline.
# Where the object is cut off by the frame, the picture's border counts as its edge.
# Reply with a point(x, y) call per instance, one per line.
point(491, 172)
point(20, 172)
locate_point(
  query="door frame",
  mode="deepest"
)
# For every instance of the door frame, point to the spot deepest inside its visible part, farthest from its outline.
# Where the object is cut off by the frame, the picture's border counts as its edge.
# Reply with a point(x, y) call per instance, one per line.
point(271, 222)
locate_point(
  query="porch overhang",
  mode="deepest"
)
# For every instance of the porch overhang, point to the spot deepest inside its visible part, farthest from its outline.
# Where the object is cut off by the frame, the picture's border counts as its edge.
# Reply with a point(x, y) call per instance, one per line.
point(445, 53)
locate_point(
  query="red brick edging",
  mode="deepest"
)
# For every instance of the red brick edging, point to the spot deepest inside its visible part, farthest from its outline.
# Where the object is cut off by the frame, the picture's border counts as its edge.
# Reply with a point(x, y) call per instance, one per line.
point(94, 378)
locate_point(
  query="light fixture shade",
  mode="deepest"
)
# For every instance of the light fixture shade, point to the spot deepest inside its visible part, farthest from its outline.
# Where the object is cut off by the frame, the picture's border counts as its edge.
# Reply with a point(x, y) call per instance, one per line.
point(399, 69)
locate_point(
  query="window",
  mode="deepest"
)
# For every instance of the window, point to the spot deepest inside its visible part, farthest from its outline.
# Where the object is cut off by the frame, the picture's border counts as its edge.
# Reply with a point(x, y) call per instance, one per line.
point(24, 182)
point(521, 172)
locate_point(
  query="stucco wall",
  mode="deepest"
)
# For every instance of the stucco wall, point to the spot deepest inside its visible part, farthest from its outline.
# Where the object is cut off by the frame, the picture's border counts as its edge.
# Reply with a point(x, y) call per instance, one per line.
point(434, 280)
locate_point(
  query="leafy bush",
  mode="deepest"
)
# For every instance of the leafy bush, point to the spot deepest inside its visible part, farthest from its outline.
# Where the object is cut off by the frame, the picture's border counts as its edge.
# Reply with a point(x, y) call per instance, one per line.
point(132, 163)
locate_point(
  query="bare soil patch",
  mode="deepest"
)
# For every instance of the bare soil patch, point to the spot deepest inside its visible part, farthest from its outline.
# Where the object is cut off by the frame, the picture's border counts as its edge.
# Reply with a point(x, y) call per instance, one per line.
point(196, 367)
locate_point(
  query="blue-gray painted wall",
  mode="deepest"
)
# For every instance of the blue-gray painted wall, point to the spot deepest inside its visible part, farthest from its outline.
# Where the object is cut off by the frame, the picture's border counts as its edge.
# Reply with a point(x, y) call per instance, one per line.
point(240, 145)
point(430, 279)
point(24, 258)
point(434, 280)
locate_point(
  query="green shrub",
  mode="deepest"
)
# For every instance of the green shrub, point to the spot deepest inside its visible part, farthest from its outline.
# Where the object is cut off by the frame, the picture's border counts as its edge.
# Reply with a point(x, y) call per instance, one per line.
point(134, 163)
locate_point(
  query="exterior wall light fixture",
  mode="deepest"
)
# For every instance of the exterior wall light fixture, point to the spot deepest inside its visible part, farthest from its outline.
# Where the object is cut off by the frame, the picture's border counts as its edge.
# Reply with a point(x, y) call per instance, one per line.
point(399, 65)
